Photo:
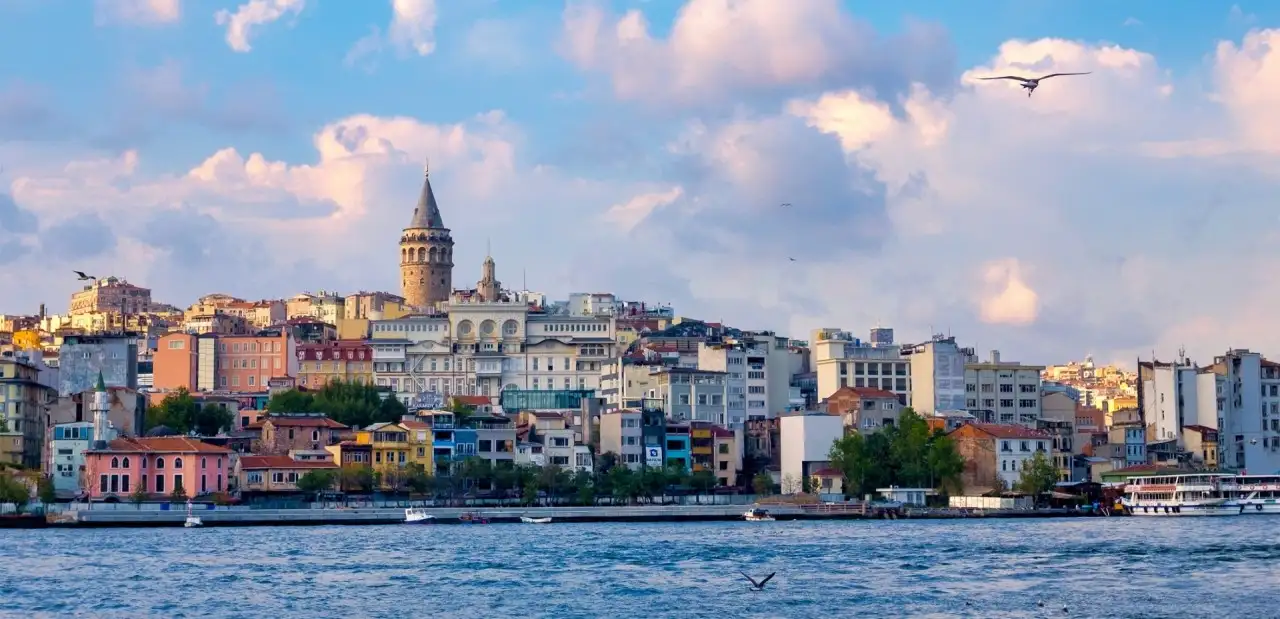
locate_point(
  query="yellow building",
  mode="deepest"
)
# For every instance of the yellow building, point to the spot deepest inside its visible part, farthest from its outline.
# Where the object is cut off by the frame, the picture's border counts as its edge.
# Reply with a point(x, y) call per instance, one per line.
point(343, 360)
point(420, 444)
point(390, 448)
point(24, 405)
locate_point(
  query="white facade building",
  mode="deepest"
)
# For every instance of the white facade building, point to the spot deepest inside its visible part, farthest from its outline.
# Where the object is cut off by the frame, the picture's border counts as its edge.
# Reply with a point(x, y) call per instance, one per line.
point(806, 445)
point(841, 360)
point(482, 348)
point(938, 374)
point(1010, 391)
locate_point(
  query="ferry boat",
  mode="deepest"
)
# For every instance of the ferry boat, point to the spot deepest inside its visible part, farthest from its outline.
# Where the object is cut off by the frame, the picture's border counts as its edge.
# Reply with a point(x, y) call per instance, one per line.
point(1178, 495)
point(1253, 494)
point(417, 515)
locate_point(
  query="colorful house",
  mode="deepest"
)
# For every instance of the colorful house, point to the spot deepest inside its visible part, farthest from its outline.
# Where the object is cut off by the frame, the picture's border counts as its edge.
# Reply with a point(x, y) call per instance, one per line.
point(678, 444)
point(282, 433)
point(420, 444)
point(276, 474)
point(389, 443)
point(160, 465)
point(701, 446)
point(70, 441)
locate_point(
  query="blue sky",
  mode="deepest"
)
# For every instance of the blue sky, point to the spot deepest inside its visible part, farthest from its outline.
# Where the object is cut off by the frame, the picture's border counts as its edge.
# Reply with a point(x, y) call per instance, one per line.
point(651, 166)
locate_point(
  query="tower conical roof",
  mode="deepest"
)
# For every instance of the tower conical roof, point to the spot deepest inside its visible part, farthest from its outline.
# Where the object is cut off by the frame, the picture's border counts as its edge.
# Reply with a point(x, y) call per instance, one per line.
point(427, 213)
point(102, 384)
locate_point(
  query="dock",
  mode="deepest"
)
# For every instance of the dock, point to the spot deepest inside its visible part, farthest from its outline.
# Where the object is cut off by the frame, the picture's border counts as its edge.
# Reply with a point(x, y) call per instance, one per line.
point(245, 516)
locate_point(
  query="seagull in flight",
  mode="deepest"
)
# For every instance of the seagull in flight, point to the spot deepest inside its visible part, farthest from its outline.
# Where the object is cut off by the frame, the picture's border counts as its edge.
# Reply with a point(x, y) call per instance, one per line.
point(757, 586)
point(83, 277)
point(1030, 83)
point(791, 259)
point(785, 204)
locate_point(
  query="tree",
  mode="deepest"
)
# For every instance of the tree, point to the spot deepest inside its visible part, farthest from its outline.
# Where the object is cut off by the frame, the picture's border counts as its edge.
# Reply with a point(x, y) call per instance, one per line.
point(418, 480)
point(790, 485)
point(12, 490)
point(179, 494)
point(1038, 475)
point(4, 426)
point(355, 478)
point(762, 483)
point(852, 457)
point(606, 462)
point(946, 465)
point(703, 481)
point(317, 481)
point(461, 411)
point(584, 487)
point(44, 489)
point(139, 495)
point(350, 403)
point(476, 471)
point(183, 414)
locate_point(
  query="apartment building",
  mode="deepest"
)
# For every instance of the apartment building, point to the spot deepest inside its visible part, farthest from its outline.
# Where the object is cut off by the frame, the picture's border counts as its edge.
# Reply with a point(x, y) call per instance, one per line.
point(1006, 392)
point(841, 360)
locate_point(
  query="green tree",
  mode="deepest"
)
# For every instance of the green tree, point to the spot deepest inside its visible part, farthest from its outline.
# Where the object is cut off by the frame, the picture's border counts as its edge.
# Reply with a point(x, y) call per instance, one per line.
point(762, 483)
point(461, 411)
point(946, 465)
point(909, 440)
point(530, 494)
point(702, 481)
point(4, 426)
point(354, 404)
point(139, 495)
point(477, 472)
point(355, 478)
point(182, 413)
point(605, 463)
point(317, 481)
point(12, 490)
point(45, 490)
point(584, 488)
point(624, 483)
point(418, 480)
point(1038, 475)
point(179, 494)
point(849, 454)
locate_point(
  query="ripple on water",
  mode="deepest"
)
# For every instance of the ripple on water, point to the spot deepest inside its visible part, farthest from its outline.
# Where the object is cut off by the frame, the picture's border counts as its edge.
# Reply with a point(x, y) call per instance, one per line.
point(1098, 567)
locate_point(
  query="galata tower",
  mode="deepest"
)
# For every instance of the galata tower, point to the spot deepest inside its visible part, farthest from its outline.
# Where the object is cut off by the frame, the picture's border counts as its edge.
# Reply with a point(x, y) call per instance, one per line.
point(426, 253)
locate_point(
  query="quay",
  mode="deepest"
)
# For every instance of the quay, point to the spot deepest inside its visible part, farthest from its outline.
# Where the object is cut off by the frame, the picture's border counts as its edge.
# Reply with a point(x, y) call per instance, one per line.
point(244, 516)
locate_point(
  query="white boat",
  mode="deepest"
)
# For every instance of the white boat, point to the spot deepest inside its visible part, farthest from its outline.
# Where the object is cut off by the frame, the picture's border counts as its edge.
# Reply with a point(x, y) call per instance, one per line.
point(757, 515)
point(1252, 494)
point(192, 521)
point(417, 515)
point(528, 520)
point(1178, 495)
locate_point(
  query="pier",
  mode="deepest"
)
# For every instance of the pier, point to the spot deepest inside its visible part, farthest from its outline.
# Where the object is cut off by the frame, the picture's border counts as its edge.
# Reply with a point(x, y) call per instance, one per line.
point(244, 516)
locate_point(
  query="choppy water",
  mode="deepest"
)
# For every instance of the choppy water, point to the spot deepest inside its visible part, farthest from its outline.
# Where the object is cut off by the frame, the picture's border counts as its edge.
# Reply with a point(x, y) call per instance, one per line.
point(1114, 567)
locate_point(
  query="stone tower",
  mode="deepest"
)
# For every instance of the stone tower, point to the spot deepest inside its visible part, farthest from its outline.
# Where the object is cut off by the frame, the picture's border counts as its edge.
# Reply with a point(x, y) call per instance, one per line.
point(488, 287)
point(426, 253)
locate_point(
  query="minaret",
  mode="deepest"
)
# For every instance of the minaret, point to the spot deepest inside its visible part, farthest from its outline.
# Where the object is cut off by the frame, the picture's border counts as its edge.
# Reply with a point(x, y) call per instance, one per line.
point(426, 253)
point(99, 406)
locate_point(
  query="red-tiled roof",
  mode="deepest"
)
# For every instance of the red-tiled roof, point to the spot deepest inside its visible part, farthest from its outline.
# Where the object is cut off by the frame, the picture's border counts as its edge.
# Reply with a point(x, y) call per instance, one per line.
point(868, 392)
point(164, 444)
point(473, 400)
point(415, 425)
point(283, 462)
point(1008, 431)
point(719, 432)
point(1200, 429)
point(828, 472)
point(289, 421)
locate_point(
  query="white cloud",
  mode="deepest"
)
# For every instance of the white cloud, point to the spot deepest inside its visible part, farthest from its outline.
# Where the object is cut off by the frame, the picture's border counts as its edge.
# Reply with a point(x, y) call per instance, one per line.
point(137, 12)
point(1006, 298)
point(630, 213)
point(411, 31)
point(251, 15)
point(718, 47)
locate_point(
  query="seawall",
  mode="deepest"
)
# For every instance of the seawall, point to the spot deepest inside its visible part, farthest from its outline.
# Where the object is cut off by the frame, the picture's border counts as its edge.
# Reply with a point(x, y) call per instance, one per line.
point(447, 515)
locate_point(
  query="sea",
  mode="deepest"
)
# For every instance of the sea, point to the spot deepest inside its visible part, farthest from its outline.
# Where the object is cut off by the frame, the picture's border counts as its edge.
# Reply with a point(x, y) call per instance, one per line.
point(1076, 567)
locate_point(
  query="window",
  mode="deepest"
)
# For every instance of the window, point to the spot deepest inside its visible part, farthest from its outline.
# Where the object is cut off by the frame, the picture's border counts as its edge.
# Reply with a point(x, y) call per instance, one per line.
point(160, 484)
point(684, 399)
point(277, 478)
point(102, 484)
point(204, 487)
point(1027, 388)
point(177, 463)
point(124, 463)
point(115, 463)
point(486, 445)
point(1006, 388)
point(255, 477)
point(204, 462)
point(177, 482)
point(315, 435)
point(159, 463)
point(1006, 402)
point(219, 480)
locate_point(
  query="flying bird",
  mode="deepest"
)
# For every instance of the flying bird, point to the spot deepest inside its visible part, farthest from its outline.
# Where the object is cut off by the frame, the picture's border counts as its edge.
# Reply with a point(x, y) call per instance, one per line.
point(83, 277)
point(1028, 82)
point(791, 259)
point(786, 204)
point(757, 586)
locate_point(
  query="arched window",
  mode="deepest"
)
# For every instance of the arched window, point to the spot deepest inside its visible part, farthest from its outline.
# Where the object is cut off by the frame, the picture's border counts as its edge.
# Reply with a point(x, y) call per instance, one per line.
point(203, 462)
point(431, 256)
point(404, 255)
point(421, 281)
point(125, 462)
point(422, 254)
point(115, 463)
point(177, 463)
point(159, 463)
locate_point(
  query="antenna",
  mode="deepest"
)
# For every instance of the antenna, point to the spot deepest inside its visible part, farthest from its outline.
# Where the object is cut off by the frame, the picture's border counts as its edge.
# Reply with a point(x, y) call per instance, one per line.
point(524, 279)
point(426, 166)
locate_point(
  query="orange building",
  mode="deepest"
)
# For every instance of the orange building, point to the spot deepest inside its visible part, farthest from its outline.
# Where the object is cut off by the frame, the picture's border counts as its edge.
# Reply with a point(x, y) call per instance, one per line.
point(341, 360)
point(223, 362)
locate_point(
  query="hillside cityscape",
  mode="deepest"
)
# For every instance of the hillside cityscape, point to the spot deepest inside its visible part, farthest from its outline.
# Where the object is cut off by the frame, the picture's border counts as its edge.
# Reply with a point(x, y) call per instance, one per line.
point(490, 391)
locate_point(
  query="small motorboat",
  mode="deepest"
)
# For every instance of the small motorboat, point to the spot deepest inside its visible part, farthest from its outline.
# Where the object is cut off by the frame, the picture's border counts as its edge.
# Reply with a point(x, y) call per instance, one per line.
point(192, 521)
point(417, 515)
point(529, 520)
point(757, 515)
point(473, 518)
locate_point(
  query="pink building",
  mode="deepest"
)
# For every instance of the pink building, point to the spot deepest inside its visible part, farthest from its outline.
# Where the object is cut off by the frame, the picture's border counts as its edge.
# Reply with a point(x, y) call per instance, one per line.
point(248, 362)
point(158, 464)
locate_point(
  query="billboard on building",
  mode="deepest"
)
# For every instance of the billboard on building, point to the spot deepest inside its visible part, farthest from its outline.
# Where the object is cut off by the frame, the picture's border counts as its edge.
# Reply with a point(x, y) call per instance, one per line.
point(653, 456)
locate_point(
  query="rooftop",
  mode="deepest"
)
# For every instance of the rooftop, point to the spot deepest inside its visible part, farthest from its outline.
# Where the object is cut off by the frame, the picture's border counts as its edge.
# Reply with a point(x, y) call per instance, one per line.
point(163, 444)
point(1008, 431)
point(283, 462)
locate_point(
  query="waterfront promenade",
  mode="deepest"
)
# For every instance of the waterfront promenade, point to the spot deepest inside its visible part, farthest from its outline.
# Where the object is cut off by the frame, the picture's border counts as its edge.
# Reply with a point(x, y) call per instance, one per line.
point(126, 516)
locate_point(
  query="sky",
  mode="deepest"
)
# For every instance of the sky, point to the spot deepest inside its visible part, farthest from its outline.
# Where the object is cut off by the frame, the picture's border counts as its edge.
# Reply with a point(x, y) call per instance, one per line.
point(646, 148)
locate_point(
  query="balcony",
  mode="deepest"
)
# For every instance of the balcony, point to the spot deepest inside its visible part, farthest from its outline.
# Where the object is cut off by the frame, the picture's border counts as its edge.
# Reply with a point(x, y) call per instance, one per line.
point(488, 369)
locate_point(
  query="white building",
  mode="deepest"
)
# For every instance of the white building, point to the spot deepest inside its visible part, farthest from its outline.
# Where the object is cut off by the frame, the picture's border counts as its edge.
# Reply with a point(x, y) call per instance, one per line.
point(938, 374)
point(70, 440)
point(1249, 430)
point(1016, 447)
point(841, 360)
point(621, 433)
point(623, 380)
point(1010, 391)
point(806, 446)
point(481, 348)
point(695, 395)
point(1171, 398)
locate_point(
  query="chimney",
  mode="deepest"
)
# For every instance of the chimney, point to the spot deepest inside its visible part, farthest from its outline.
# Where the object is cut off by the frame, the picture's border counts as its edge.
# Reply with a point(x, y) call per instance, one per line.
point(995, 356)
